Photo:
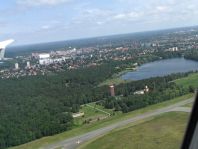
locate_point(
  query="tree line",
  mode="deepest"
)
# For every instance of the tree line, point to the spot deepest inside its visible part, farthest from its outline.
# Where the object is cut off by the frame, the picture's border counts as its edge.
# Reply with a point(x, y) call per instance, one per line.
point(192, 54)
point(160, 89)
point(37, 106)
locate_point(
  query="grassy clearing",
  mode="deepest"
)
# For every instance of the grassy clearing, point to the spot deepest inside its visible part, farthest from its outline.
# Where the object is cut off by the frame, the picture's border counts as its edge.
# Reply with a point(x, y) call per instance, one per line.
point(92, 114)
point(111, 111)
point(164, 132)
point(116, 79)
point(191, 80)
point(189, 105)
point(90, 127)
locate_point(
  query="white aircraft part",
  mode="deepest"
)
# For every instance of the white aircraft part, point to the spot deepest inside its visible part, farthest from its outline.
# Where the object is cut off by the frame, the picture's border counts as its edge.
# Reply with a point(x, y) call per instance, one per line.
point(3, 45)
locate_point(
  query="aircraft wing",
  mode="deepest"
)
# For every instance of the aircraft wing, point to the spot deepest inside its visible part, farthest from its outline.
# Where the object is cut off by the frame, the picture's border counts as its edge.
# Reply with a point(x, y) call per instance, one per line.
point(5, 43)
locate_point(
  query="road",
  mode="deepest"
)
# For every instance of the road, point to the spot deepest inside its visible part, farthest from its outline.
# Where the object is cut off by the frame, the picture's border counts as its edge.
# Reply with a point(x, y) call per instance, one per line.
point(182, 109)
point(73, 143)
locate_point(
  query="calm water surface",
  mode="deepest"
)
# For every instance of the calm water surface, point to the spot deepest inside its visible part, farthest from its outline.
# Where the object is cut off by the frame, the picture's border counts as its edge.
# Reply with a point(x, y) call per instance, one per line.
point(161, 68)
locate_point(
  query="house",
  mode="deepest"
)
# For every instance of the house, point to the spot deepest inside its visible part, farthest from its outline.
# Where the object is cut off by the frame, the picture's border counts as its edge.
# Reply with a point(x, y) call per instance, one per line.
point(80, 114)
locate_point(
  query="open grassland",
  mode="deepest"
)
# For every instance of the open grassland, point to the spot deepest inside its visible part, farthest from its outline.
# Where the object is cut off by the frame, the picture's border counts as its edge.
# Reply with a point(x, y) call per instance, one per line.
point(191, 80)
point(92, 113)
point(165, 132)
point(116, 79)
point(111, 111)
point(93, 126)
point(190, 105)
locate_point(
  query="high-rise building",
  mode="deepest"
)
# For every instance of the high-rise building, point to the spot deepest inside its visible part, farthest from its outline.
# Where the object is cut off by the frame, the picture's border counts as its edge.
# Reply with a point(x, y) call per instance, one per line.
point(16, 66)
point(28, 64)
point(146, 89)
point(44, 59)
point(112, 90)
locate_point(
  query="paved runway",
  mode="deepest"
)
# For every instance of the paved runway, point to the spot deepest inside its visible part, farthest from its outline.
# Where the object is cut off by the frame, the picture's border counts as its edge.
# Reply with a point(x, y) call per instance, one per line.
point(182, 109)
point(73, 143)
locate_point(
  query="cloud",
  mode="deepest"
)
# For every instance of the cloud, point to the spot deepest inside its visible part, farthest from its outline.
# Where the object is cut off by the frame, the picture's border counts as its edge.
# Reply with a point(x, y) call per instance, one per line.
point(162, 8)
point(45, 27)
point(96, 16)
point(79, 18)
point(2, 23)
point(41, 2)
point(128, 16)
point(100, 23)
point(92, 17)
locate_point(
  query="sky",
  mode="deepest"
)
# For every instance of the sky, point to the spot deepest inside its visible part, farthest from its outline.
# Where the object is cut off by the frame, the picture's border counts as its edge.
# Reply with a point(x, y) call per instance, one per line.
point(37, 21)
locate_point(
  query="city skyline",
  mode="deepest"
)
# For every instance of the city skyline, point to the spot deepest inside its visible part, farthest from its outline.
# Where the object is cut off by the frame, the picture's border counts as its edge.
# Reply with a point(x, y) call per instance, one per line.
point(39, 21)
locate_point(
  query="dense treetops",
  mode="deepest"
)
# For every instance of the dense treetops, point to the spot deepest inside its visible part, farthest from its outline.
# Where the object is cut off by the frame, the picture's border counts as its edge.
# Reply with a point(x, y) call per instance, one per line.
point(33, 107)
point(192, 54)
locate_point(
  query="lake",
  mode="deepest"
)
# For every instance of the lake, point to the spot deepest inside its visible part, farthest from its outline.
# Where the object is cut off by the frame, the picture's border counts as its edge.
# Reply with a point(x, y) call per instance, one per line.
point(161, 68)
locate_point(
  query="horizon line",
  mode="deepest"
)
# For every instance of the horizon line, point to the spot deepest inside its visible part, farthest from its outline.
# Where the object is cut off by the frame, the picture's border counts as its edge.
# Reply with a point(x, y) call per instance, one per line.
point(102, 36)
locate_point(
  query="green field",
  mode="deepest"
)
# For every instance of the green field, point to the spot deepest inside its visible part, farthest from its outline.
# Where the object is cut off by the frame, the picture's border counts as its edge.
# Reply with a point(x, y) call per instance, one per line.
point(189, 105)
point(116, 79)
point(191, 80)
point(93, 126)
point(111, 111)
point(162, 132)
point(92, 114)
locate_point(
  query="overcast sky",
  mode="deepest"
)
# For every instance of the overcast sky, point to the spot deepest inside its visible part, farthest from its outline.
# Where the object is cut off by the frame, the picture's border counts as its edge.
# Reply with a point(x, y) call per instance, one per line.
point(35, 21)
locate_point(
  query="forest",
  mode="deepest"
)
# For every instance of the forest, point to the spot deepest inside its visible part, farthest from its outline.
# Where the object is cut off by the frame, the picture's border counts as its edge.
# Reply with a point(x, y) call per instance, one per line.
point(33, 107)
point(192, 54)
point(160, 89)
